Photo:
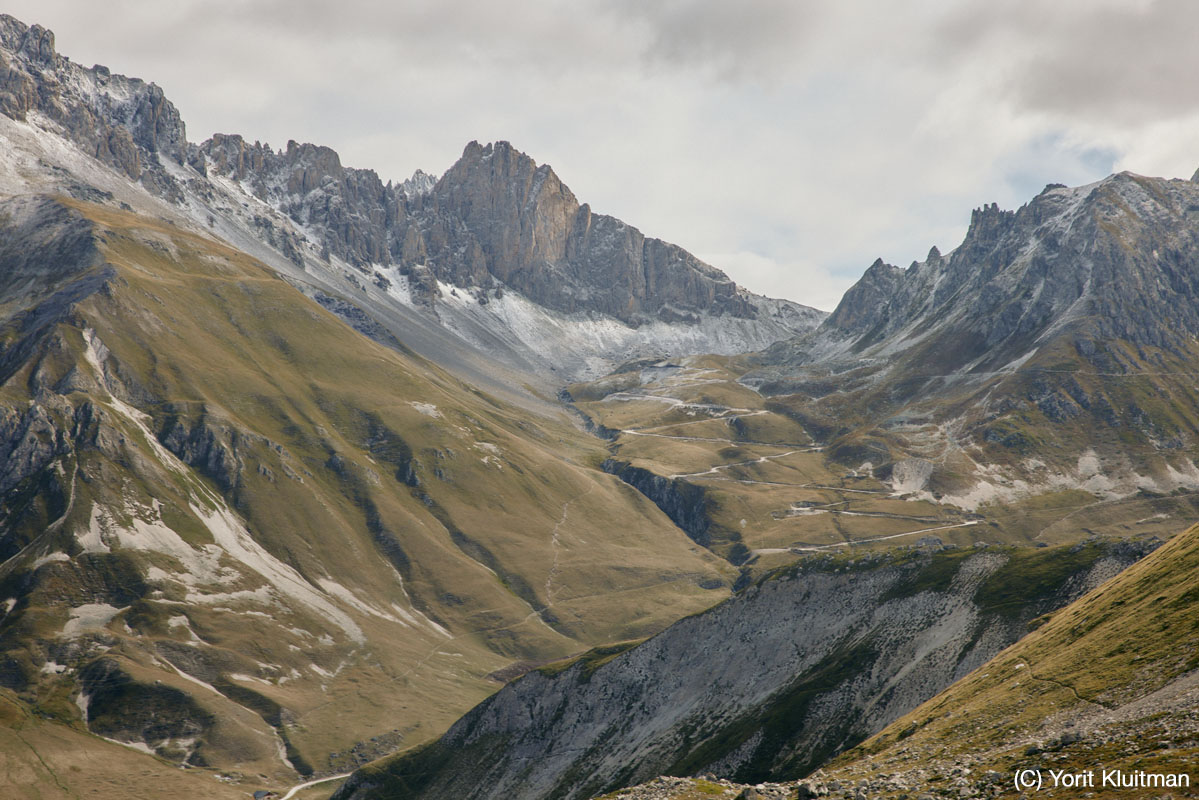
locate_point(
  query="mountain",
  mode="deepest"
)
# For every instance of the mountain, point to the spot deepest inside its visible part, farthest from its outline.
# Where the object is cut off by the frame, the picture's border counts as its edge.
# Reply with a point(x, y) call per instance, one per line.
point(247, 526)
point(1052, 350)
point(808, 661)
point(288, 485)
point(1106, 684)
point(1039, 375)
point(497, 254)
point(240, 535)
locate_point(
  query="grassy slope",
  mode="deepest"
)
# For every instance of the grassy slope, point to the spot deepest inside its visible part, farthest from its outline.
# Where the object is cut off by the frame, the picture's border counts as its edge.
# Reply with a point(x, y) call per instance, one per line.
point(512, 539)
point(1093, 669)
point(755, 460)
point(40, 760)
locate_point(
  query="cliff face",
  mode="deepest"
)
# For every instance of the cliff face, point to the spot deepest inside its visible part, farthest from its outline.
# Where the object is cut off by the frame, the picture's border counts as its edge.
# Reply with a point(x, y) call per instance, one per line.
point(495, 219)
point(122, 122)
point(765, 686)
point(497, 215)
point(498, 254)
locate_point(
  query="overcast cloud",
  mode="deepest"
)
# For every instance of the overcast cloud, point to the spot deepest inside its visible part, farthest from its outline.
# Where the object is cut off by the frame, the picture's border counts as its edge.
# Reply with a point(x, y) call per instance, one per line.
point(789, 142)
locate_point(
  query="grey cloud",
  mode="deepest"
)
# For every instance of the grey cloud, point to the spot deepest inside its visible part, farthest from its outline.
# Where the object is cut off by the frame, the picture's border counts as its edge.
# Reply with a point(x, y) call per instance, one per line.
point(537, 34)
point(748, 39)
point(798, 132)
point(1121, 63)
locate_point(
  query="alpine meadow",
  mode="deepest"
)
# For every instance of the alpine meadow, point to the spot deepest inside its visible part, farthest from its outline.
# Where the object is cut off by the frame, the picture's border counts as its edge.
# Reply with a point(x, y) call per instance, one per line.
point(319, 485)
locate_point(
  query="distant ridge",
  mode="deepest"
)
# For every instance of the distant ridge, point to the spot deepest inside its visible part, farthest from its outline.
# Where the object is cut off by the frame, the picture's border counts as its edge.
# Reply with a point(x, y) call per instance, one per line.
point(495, 223)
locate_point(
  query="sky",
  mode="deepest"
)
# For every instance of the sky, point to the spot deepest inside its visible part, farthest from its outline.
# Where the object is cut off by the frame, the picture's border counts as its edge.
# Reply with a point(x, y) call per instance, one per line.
point(787, 142)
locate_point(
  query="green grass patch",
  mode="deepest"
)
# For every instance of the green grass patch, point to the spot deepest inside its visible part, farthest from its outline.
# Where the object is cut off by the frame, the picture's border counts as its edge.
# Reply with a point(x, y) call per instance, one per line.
point(1032, 574)
point(935, 575)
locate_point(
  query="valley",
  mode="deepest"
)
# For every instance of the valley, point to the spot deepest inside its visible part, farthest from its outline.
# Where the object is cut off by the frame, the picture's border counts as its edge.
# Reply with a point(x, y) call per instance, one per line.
point(771, 492)
point(454, 487)
point(168, 496)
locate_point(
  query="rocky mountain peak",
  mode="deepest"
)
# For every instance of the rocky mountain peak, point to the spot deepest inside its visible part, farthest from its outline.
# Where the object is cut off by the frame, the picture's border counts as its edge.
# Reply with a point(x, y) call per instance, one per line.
point(122, 122)
point(421, 183)
point(33, 42)
point(498, 216)
point(1108, 260)
point(518, 213)
point(858, 308)
point(497, 222)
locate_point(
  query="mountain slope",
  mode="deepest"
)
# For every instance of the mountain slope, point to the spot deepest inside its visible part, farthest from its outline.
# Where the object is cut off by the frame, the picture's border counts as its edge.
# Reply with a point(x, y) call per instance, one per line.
point(1053, 349)
point(498, 253)
point(1107, 683)
point(765, 686)
point(222, 504)
point(1052, 353)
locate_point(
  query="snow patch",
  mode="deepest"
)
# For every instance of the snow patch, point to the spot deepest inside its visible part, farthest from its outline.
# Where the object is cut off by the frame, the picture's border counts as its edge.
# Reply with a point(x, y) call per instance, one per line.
point(1088, 464)
point(92, 541)
point(586, 345)
point(82, 701)
point(88, 618)
point(233, 538)
point(346, 596)
point(146, 531)
point(51, 558)
point(181, 621)
point(237, 676)
point(141, 747)
point(996, 485)
point(428, 409)
point(260, 596)
point(193, 679)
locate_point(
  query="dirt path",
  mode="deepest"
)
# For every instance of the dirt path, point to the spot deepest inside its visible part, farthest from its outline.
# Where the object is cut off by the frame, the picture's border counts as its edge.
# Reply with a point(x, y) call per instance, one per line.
point(299, 787)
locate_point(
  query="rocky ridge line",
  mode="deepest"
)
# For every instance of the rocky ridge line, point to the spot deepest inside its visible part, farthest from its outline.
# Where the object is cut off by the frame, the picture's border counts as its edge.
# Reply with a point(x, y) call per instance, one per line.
point(588, 288)
point(765, 686)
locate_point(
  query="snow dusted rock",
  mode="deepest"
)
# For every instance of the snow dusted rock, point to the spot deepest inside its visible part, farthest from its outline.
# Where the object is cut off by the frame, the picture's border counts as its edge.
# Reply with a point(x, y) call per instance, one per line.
point(500, 248)
point(583, 291)
point(421, 183)
point(124, 123)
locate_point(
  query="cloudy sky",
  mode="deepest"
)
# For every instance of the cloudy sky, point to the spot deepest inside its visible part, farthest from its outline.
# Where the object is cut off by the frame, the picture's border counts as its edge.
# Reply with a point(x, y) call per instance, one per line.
point(788, 142)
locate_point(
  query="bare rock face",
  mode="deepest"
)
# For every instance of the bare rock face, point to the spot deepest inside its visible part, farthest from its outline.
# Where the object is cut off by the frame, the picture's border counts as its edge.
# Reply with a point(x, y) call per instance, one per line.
point(497, 215)
point(766, 686)
point(495, 219)
point(124, 123)
point(856, 311)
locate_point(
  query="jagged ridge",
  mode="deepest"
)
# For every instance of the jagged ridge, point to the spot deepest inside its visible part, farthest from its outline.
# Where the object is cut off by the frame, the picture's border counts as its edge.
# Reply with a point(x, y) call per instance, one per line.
point(583, 285)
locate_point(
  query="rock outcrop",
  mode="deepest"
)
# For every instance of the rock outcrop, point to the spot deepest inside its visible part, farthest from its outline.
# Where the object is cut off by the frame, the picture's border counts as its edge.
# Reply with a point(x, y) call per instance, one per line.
point(766, 686)
point(498, 252)
point(497, 214)
point(495, 219)
point(122, 122)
